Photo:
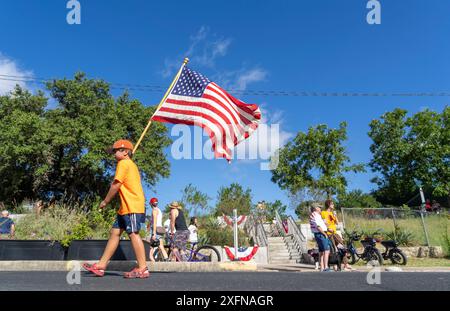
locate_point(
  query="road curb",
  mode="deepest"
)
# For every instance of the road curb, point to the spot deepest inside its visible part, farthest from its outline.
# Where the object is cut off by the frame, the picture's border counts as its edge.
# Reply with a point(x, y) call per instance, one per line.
point(128, 265)
point(35, 265)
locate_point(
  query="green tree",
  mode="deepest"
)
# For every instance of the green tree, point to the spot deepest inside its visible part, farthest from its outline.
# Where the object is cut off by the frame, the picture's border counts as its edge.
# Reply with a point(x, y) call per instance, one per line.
point(22, 143)
point(233, 197)
point(315, 161)
point(409, 149)
point(62, 150)
point(302, 209)
point(276, 206)
point(194, 200)
point(356, 198)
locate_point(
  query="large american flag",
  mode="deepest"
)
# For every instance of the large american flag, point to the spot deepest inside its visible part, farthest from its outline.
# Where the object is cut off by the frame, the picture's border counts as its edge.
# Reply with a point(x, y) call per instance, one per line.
point(195, 100)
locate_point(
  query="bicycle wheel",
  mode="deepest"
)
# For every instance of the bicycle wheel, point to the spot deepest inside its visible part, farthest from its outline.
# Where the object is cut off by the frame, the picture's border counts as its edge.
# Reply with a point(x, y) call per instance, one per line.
point(206, 253)
point(351, 258)
point(397, 257)
point(375, 255)
point(157, 254)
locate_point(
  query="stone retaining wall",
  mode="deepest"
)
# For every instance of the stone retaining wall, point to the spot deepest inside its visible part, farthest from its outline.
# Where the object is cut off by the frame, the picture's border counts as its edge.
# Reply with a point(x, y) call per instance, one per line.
point(423, 251)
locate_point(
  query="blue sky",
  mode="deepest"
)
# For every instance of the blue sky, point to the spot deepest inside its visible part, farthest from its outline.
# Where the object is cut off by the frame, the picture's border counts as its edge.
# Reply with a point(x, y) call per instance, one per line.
point(314, 45)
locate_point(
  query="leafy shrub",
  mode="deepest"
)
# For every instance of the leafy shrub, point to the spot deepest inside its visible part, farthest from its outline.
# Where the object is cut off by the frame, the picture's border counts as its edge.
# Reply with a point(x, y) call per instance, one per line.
point(403, 237)
point(214, 234)
point(80, 231)
point(53, 224)
point(65, 224)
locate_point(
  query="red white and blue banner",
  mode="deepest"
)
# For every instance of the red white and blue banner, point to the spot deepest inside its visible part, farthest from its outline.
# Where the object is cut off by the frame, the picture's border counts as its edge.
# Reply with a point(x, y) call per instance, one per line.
point(243, 254)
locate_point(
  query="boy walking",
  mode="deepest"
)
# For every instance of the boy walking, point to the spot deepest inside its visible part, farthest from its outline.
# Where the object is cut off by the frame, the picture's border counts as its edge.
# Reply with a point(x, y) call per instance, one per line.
point(131, 214)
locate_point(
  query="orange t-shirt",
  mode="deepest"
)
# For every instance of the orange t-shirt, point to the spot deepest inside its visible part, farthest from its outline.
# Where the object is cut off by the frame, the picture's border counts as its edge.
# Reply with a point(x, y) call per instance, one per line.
point(132, 199)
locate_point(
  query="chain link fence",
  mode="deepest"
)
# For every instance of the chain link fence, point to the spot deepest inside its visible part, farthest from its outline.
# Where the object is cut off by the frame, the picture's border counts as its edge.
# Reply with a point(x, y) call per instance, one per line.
point(408, 227)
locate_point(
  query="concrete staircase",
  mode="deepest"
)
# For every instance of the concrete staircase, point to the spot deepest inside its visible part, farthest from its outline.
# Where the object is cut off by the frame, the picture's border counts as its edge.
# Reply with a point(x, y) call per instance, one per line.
point(281, 249)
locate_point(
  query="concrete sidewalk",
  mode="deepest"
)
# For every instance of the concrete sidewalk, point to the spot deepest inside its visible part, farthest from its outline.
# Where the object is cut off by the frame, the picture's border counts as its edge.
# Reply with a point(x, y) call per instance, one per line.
point(310, 268)
point(192, 267)
point(128, 265)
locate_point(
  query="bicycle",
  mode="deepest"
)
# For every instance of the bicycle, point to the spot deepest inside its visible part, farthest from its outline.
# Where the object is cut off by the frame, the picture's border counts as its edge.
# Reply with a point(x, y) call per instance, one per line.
point(203, 253)
point(393, 253)
point(370, 253)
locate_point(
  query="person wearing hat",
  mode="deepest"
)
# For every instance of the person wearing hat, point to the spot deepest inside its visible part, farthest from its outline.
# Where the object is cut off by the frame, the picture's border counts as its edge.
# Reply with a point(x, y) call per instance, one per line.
point(127, 182)
point(156, 231)
point(319, 229)
point(178, 223)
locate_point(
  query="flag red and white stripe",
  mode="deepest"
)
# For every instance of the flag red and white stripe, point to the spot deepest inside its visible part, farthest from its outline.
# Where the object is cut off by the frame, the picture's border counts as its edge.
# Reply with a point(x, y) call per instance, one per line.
point(195, 100)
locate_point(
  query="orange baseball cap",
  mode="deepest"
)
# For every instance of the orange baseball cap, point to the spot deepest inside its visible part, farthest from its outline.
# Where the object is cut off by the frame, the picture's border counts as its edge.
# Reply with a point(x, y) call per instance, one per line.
point(121, 143)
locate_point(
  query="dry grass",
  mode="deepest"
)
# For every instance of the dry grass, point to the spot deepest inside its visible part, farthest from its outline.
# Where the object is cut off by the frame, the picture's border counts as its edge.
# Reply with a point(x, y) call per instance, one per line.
point(437, 228)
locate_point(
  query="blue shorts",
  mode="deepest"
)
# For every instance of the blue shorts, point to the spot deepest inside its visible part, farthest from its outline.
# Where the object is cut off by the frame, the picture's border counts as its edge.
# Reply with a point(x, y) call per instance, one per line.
point(322, 242)
point(131, 223)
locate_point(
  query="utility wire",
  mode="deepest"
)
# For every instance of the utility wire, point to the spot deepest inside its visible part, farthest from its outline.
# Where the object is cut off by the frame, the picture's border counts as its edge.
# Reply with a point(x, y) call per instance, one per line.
point(160, 88)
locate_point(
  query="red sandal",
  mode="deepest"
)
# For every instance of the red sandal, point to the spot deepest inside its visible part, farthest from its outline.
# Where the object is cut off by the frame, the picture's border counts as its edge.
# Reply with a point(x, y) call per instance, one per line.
point(93, 269)
point(137, 274)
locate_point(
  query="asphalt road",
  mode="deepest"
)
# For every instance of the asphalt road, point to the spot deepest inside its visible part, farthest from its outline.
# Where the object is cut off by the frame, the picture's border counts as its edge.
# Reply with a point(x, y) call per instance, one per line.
point(228, 281)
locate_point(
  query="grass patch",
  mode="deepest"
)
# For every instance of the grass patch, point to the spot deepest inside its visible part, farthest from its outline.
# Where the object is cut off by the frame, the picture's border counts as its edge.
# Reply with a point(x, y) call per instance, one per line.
point(63, 223)
point(437, 228)
point(414, 262)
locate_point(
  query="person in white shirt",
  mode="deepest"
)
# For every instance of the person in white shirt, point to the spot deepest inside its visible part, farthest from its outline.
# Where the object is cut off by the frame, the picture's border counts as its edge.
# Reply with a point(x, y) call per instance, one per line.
point(193, 231)
point(166, 225)
point(156, 231)
point(319, 229)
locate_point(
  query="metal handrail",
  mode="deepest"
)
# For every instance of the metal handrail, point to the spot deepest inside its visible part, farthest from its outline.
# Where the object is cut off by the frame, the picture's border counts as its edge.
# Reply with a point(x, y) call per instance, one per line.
point(300, 239)
point(256, 230)
point(279, 224)
point(261, 235)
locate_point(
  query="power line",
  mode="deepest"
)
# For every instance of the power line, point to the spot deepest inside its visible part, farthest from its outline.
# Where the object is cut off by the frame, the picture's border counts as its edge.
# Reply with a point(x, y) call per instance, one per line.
point(160, 88)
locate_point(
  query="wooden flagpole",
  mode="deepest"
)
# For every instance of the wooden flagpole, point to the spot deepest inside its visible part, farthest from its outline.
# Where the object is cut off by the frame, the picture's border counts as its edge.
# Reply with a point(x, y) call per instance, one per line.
point(186, 60)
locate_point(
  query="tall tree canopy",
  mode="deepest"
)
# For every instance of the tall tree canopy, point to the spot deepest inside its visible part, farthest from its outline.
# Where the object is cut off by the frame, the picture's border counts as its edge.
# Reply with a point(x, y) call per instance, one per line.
point(316, 161)
point(410, 150)
point(356, 198)
point(194, 200)
point(271, 208)
point(53, 152)
point(233, 197)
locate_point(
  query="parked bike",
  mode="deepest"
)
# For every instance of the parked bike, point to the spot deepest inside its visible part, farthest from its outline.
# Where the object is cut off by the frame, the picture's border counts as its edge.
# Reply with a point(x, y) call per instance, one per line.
point(203, 253)
point(370, 252)
point(393, 253)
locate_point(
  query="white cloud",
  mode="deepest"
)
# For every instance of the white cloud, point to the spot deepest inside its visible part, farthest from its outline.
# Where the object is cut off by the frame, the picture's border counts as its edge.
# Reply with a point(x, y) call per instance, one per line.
point(220, 47)
point(211, 51)
point(250, 76)
point(239, 80)
point(204, 49)
point(10, 70)
point(170, 66)
point(196, 38)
